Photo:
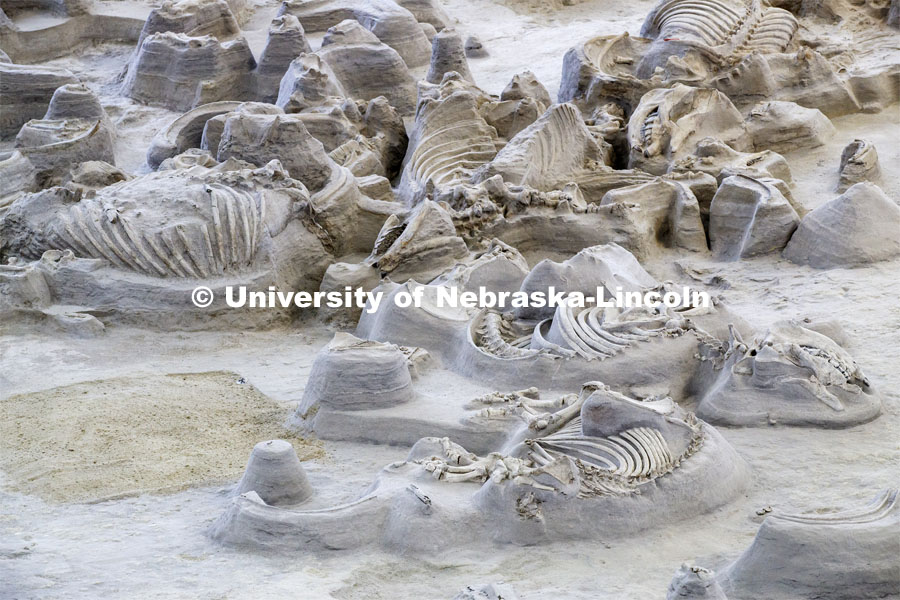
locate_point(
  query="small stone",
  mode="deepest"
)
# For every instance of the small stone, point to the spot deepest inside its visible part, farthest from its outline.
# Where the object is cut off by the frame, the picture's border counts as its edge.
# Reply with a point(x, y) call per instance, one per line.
point(474, 48)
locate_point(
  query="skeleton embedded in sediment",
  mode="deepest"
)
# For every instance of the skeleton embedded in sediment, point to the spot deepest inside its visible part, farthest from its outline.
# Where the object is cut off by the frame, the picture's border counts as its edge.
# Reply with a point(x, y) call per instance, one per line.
point(589, 332)
point(606, 465)
point(726, 28)
point(226, 243)
point(810, 353)
point(200, 223)
point(750, 380)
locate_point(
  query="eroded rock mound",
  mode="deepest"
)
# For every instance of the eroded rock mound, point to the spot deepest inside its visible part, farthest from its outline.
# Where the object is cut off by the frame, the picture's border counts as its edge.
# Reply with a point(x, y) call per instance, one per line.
point(194, 18)
point(785, 126)
point(722, 161)
point(19, 177)
point(841, 555)
point(391, 23)
point(749, 217)
point(286, 41)
point(308, 81)
point(275, 474)
point(366, 67)
point(180, 72)
point(259, 137)
point(56, 146)
point(25, 93)
point(74, 101)
point(447, 54)
point(427, 11)
point(859, 227)
point(526, 85)
point(355, 374)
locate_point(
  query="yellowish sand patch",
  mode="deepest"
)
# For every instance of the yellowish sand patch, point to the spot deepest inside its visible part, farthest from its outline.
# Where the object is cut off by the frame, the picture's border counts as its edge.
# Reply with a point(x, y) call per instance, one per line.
point(125, 436)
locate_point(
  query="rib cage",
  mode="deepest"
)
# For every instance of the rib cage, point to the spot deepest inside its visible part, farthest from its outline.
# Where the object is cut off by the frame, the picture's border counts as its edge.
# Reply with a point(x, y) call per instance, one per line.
point(451, 140)
point(555, 142)
point(613, 465)
point(554, 150)
point(448, 159)
point(727, 27)
point(878, 509)
point(710, 22)
point(636, 453)
point(448, 156)
point(226, 243)
point(592, 334)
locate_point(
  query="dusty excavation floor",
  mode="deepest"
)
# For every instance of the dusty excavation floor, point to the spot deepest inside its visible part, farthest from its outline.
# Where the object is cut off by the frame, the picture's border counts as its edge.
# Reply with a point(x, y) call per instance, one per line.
point(155, 545)
point(119, 450)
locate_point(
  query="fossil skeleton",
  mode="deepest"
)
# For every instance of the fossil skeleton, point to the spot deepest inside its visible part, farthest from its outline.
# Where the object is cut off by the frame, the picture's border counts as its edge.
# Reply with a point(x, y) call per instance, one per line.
point(608, 465)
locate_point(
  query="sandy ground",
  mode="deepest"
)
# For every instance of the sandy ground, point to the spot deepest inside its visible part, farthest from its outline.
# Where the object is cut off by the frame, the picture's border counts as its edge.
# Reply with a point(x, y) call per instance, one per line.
point(154, 545)
point(124, 436)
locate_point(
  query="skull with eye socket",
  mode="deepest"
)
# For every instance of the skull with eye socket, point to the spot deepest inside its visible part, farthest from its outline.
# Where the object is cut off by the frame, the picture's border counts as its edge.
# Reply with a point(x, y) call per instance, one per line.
point(791, 375)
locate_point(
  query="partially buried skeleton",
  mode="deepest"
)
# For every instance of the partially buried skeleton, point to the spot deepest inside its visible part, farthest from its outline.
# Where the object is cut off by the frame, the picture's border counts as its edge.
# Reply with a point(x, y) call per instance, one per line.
point(603, 464)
